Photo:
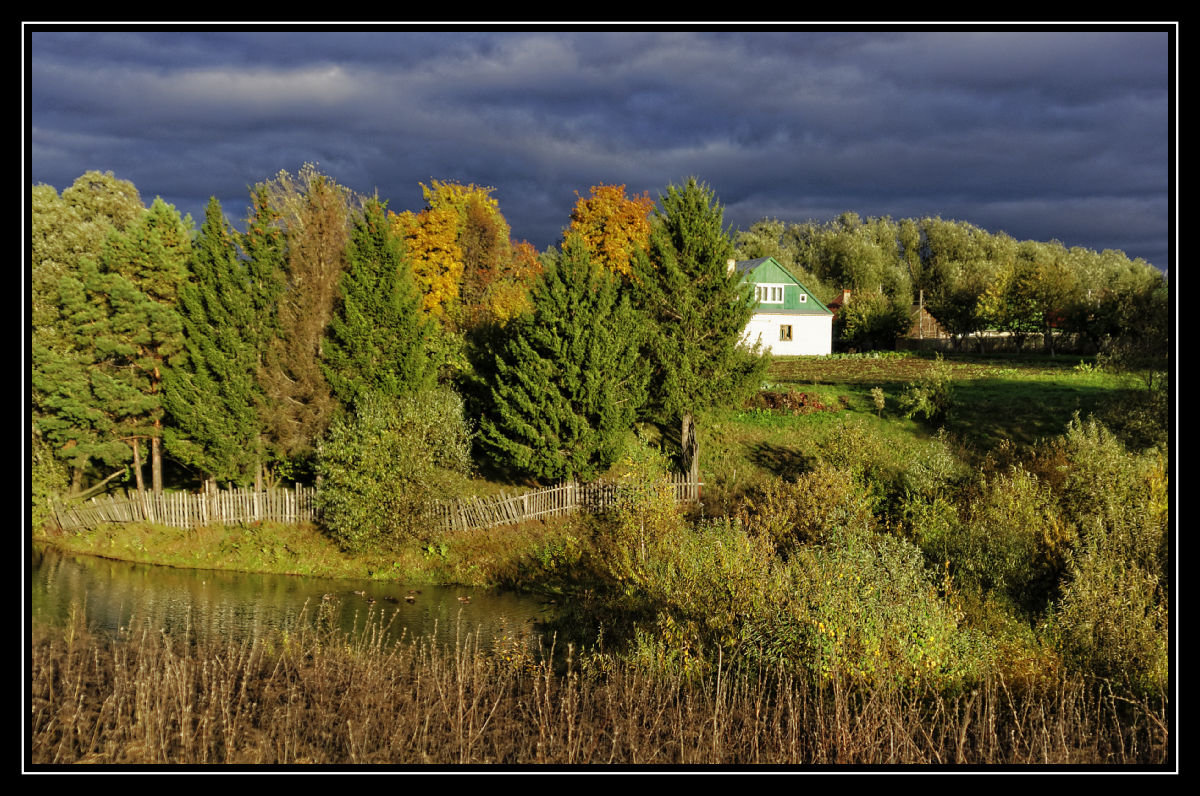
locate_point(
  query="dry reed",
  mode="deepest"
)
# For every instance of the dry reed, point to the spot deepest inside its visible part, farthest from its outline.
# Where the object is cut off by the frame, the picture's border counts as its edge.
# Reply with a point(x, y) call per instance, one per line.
point(324, 697)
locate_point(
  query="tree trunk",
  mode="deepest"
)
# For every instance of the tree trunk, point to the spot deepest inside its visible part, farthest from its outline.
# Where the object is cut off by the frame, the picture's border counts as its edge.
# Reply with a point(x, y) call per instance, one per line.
point(690, 446)
point(258, 465)
point(76, 480)
point(137, 466)
point(156, 458)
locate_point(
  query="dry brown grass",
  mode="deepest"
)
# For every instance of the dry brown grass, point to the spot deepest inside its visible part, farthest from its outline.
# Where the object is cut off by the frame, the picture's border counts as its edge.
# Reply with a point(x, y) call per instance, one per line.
point(323, 698)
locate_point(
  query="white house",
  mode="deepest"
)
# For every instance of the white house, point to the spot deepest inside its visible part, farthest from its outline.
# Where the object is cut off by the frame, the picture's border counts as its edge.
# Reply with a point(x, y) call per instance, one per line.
point(788, 319)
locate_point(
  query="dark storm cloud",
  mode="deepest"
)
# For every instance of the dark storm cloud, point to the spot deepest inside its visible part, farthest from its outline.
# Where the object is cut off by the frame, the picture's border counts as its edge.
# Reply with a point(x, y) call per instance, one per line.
point(1041, 134)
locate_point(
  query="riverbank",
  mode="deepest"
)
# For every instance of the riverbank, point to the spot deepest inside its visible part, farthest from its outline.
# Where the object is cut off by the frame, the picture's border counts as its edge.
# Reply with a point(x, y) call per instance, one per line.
point(507, 556)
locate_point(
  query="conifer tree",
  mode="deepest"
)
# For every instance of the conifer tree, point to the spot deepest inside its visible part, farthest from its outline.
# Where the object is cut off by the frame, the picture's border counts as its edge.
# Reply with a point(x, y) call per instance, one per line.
point(70, 407)
point(567, 380)
point(68, 233)
point(211, 389)
point(141, 271)
point(378, 339)
point(315, 214)
point(696, 311)
point(264, 246)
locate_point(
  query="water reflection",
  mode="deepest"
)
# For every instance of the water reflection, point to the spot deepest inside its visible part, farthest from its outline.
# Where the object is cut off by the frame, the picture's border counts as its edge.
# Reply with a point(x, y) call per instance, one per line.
point(208, 603)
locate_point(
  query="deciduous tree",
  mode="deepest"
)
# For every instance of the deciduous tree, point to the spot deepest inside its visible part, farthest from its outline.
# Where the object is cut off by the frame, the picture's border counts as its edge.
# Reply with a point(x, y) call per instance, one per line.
point(613, 226)
point(466, 266)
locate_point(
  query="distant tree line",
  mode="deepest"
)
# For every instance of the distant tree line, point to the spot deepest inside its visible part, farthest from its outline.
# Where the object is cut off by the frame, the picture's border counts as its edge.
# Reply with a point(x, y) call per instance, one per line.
point(971, 280)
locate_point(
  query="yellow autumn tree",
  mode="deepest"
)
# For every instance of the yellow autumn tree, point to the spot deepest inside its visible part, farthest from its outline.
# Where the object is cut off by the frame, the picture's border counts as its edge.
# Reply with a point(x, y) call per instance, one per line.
point(464, 261)
point(437, 260)
point(508, 295)
point(614, 226)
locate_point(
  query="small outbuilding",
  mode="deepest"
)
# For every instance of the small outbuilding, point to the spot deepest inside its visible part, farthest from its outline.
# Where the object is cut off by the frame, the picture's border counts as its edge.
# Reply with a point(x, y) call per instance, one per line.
point(924, 325)
point(788, 319)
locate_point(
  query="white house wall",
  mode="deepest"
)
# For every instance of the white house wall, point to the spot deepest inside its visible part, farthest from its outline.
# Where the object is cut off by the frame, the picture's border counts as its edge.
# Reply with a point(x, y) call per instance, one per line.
point(811, 334)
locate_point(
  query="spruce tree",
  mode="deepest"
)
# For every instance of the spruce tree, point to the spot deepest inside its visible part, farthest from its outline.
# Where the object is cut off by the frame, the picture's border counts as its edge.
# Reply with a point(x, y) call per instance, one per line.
point(567, 380)
point(378, 340)
point(264, 246)
point(210, 390)
point(696, 310)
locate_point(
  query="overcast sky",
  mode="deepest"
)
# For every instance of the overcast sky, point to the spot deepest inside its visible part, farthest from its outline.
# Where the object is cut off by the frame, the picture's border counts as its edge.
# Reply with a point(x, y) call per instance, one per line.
point(1041, 134)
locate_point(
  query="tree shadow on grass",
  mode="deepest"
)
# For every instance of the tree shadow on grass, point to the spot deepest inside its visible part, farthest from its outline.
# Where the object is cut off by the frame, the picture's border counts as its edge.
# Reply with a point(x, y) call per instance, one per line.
point(782, 460)
point(987, 411)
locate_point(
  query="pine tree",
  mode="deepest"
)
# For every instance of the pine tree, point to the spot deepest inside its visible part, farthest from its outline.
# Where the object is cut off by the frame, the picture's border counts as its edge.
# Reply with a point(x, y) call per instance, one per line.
point(378, 339)
point(68, 233)
point(696, 310)
point(567, 380)
point(141, 271)
point(70, 413)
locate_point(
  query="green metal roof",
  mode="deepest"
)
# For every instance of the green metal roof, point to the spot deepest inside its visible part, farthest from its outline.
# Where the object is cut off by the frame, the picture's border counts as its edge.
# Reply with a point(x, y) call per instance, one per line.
point(797, 299)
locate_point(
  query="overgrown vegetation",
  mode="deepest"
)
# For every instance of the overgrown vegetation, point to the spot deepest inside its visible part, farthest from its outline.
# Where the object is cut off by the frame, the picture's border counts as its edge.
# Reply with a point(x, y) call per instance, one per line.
point(320, 697)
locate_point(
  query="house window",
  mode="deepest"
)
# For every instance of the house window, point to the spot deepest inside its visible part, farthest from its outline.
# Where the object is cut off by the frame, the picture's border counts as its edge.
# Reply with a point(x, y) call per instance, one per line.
point(768, 294)
point(785, 332)
point(803, 298)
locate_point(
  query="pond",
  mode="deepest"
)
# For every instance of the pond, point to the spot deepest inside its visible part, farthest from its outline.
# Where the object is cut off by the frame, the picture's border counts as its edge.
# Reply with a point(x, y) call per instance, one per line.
point(217, 604)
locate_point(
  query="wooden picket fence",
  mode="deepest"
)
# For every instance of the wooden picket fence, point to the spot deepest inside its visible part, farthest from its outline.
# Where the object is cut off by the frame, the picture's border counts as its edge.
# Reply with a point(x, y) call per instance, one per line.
point(187, 510)
point(567, 497)
point(232, 506)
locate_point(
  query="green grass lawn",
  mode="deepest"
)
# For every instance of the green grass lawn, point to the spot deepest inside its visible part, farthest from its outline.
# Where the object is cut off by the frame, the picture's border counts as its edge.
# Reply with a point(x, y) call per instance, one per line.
point(1021, 399)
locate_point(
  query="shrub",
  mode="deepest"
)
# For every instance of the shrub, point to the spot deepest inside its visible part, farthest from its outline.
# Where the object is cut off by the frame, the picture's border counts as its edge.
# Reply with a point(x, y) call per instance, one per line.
point(813, 508)
point(381, 466)
point(1113, 620)
point(644, 514)
point(866, 609)
point(933, 525)
point(872, 321)
point(47, 480)
point(879, 399)
point(862, 450)
point(934, 470)
point(1105, 487)
point(703, 584)
point(1014, 541)
point(931, 396)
